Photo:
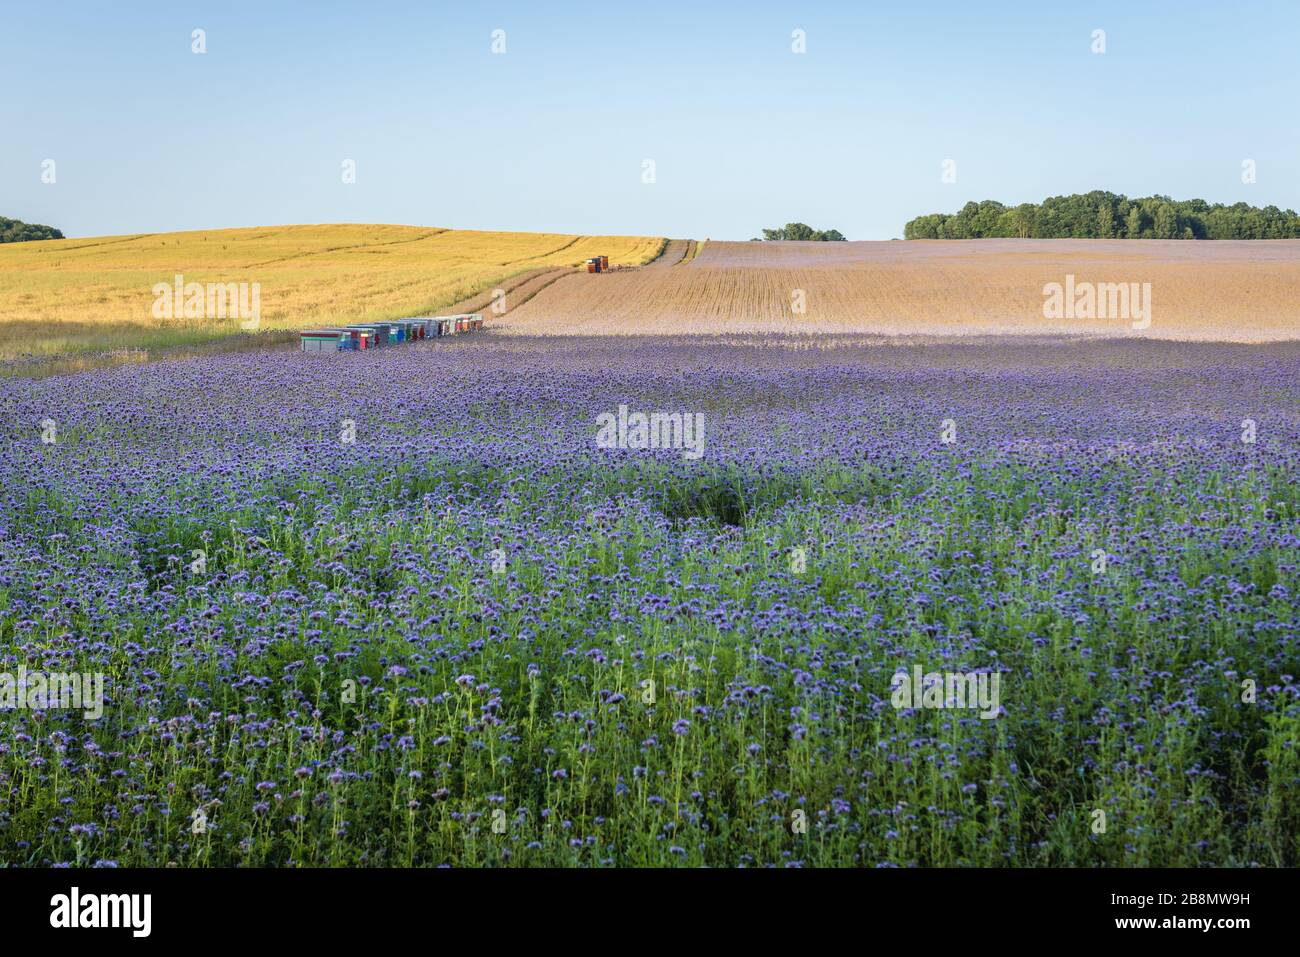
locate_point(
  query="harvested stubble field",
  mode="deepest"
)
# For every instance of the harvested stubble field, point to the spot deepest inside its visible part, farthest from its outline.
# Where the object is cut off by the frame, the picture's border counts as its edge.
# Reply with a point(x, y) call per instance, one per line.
point(473, 614)
point(1211, 291)
point(80, 295)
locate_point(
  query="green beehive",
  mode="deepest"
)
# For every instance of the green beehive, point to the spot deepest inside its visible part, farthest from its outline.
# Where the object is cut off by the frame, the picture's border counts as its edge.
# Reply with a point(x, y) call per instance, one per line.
point(321, 340)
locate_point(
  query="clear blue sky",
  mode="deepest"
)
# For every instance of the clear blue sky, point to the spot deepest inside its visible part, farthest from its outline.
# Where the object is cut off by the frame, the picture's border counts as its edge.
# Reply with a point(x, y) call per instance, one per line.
point(148, 136)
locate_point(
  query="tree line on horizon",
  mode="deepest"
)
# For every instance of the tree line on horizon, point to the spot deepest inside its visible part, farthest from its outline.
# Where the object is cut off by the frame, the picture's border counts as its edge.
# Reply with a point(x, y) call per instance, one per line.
point(16, 231)
point(1103, 215)
point(800, 232)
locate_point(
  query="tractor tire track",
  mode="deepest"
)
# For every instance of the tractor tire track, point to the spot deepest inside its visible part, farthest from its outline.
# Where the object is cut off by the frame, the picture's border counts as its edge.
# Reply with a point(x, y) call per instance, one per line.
point(518, 290)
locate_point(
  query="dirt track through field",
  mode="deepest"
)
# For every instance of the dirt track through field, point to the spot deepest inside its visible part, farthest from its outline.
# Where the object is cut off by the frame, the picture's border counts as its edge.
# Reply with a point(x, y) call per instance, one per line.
point(674, 252)
point(1245, 291)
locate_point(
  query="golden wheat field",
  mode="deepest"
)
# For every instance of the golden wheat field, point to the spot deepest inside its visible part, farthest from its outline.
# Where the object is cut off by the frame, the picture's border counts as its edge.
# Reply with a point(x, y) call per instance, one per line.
point(87, 294)
point(1245, 291)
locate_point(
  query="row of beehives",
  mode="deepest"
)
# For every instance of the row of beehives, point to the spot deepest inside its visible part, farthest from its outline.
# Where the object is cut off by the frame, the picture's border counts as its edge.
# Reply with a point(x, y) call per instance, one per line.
point(369, 335)
point(598, 264)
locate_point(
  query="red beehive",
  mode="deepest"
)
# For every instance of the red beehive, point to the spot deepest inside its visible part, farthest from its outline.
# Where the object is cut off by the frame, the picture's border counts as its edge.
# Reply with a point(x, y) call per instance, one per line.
point(604, 264)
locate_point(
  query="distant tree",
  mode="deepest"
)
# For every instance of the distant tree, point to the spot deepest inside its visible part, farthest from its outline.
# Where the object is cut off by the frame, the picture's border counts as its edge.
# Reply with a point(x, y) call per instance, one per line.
point(984, 217)
point(1166, 222)
point(1133, 227)
point(958, 227)
point(1018, 222)
point(1105, 222)
point(923, 227)
point(1108, 215)
point(14, 231)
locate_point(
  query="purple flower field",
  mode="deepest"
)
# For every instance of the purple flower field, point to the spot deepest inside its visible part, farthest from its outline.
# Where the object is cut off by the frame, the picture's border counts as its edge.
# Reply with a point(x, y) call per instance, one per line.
point(402, 607)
